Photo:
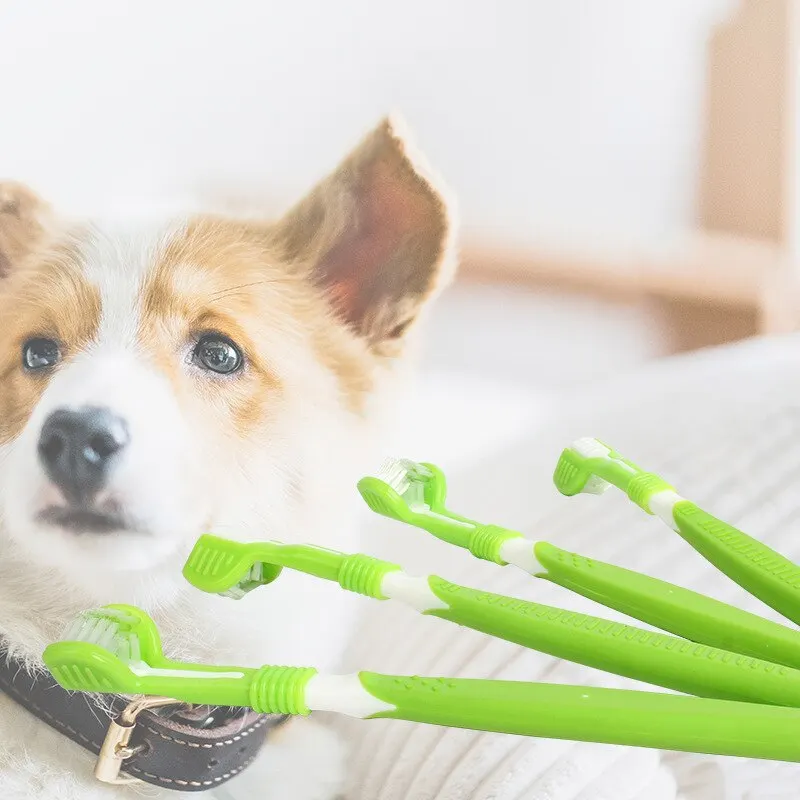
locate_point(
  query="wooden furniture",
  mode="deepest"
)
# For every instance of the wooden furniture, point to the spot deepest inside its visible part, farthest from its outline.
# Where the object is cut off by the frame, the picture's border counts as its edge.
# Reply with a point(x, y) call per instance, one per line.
point(742, 261)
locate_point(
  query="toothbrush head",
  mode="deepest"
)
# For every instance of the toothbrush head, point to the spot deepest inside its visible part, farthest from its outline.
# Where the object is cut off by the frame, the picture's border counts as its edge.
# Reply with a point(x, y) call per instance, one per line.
point(401, 489)
point(575, 471)
point(117, 650)
point(104, 649)
point(231, 569)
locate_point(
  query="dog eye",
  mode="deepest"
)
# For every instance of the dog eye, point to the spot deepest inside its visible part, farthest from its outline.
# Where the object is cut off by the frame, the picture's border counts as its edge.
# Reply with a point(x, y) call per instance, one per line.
point(40, 354)
point(217, 354)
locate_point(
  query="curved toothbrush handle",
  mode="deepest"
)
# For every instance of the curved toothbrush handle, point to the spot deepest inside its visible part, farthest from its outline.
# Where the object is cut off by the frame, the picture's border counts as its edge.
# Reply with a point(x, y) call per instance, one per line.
point(581, 713)
point(669, 607)
point(758, 569)
point(636, 653)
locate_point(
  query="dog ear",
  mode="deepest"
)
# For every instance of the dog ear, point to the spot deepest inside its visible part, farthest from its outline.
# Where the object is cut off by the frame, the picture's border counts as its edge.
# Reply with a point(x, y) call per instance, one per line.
point(23, 216)
point(376, 236)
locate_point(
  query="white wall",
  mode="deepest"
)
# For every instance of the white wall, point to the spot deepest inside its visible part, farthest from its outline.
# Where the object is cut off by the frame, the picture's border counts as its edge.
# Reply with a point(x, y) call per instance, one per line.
point(551, 118)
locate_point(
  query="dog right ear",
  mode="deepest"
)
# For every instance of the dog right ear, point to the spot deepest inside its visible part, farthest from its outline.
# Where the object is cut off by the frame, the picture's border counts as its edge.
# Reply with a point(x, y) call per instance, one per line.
point(375, 237)
point(23, 220)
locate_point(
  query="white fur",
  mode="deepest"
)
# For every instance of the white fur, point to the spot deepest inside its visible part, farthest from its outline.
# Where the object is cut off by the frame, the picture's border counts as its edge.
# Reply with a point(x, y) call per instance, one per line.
point(116, 258)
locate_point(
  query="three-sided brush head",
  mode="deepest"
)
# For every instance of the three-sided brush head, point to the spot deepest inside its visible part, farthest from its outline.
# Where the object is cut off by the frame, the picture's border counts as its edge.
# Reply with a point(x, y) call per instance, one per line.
point(575, 473)
point(117, 650)
point(231, 569)
point(103, 649)
point(402, 489)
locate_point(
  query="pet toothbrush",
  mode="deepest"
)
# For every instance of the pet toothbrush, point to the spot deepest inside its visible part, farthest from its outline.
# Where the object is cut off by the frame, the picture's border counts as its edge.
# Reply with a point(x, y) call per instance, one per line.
point(590, 466)
point(234, 568)
point(416, 494)
point(117, 649)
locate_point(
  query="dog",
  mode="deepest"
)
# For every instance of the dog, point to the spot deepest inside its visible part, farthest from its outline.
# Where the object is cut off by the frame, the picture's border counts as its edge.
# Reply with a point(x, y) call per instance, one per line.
point(164, 378)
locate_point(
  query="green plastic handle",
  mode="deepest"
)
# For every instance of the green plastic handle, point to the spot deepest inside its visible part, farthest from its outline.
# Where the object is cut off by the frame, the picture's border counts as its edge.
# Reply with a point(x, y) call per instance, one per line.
point(580, 713)
point(669, 607)
point(636, 653)
point(758, 569)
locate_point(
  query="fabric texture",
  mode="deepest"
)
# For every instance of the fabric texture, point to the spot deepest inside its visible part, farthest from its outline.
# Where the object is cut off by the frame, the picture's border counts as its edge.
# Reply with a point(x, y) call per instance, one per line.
point(724, 427)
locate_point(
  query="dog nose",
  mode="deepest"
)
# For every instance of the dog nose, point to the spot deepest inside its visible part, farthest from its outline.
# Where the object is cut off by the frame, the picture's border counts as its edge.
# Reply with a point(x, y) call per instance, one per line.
point(77, 449)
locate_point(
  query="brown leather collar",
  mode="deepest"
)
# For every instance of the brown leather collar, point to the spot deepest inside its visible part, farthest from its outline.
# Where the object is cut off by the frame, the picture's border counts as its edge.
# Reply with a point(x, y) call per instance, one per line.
point(185, 748)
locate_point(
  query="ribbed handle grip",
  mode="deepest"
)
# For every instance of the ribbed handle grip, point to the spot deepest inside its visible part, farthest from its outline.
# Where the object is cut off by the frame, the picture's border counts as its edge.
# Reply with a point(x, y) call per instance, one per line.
point(280, 690)
point(755, 567)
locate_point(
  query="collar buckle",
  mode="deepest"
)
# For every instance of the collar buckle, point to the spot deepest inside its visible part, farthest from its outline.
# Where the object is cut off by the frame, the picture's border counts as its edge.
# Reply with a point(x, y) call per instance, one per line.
point(116, 747)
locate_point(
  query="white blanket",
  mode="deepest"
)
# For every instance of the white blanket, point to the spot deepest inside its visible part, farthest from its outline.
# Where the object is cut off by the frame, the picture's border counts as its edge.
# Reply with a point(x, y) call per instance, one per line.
point(722, 426)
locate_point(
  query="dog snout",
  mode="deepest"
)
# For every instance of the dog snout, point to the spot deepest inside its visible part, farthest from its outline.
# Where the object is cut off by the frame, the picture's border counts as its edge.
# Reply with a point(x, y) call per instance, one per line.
point(77, 449)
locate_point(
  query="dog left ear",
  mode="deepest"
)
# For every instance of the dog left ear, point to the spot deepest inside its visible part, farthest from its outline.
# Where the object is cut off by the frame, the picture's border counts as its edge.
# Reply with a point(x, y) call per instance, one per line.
point(23, 217)
point(376, 235)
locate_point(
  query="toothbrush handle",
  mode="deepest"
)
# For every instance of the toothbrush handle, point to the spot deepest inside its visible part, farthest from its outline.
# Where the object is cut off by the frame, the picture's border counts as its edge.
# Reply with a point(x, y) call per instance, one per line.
point(669, 607)
point(636, 653)
point(758, 569)
point(580, 713)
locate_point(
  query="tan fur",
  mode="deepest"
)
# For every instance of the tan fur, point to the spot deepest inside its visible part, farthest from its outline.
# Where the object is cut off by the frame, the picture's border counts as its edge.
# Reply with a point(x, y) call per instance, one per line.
point(213, 279)
point(43, 297)
point(23, 222)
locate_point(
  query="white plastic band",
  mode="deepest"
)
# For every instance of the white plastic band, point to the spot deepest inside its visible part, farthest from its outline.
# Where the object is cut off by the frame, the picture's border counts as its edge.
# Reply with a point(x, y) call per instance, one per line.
point(519, 552)
point(412, 591)
point(662, 505)
point(343, 694)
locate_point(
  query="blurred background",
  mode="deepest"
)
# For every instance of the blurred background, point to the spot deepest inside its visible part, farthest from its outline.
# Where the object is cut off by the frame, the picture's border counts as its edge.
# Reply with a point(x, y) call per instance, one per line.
point(626, 169)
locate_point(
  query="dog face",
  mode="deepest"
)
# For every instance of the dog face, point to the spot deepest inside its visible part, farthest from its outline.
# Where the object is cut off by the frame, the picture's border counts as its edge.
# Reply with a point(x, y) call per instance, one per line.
point(161, 380)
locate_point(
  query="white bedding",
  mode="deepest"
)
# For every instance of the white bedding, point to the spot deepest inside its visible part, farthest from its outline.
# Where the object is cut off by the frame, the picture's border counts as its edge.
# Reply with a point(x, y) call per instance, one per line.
point(724, 427)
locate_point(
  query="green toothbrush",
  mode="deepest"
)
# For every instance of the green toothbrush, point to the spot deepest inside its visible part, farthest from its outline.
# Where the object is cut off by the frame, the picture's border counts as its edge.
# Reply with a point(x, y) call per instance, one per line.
point(117, 649)
point(590, 466)
point(232, 568)
point(416, 493)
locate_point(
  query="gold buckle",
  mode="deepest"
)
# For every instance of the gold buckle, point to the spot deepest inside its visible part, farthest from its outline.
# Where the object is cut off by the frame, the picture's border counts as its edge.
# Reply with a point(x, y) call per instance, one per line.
point(116, 746)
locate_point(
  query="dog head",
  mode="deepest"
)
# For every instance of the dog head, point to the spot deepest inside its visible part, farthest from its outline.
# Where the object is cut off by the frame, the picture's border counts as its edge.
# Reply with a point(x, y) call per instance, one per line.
point(159, 381)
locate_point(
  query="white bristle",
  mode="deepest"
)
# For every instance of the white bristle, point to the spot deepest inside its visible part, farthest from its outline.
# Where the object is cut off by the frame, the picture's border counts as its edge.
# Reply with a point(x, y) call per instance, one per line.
point(595, 449)
point(406, 478)
point(135, 651)
point(590, 448)
point(102, 628)
point(127, 648)
point(72, 633)
point(252, 579)
point(395, 473)
point(100, 632)
point(117, 614)
point(108, 637)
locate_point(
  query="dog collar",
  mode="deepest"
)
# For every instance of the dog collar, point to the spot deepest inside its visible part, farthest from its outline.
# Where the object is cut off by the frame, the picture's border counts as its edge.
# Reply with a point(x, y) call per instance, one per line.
point(155, 740)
